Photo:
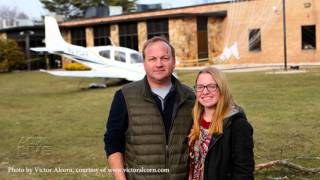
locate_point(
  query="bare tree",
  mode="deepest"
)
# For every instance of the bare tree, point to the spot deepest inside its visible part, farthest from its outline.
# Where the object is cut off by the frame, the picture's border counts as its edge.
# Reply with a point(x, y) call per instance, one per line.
point(10, 14)
point(75, 8)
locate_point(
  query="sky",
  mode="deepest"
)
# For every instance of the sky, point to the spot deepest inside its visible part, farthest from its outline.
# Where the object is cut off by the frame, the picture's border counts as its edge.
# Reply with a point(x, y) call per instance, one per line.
point(34, 9)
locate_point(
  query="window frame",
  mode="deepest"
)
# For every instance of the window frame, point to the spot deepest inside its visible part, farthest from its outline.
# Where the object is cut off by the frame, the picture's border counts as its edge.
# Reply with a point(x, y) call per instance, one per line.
point(254, 46)
point(78, 36)
point(202, 34)
point(305, 41)
point(128, 35)
point(158, 27)
point(101, 35)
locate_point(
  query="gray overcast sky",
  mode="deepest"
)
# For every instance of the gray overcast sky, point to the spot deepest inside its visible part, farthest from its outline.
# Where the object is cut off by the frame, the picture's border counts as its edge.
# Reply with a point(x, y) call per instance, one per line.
point(33, 8)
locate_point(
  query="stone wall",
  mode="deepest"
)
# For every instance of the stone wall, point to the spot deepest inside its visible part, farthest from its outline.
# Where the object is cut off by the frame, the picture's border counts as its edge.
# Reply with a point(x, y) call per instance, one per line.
point(215, 37)
point(89, 37)
point(183, 37)
point(67, 38)
point(3, 35)
point(114, 34)
point(142, 34)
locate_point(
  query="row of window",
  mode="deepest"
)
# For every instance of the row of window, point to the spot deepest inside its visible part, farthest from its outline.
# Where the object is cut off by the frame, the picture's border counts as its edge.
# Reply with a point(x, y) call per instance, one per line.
point(128, 35)
point(121, 56)
point(308, 38)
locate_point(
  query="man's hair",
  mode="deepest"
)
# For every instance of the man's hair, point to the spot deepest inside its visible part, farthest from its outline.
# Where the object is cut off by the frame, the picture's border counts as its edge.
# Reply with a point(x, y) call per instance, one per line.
point(156, 39)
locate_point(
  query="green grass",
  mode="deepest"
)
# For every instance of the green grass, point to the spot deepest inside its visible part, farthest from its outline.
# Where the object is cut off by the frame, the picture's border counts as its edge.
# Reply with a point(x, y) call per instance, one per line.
point(63, 124)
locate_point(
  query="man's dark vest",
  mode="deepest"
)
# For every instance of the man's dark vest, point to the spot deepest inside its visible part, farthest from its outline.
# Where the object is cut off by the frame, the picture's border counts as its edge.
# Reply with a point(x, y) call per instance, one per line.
point(146, 147)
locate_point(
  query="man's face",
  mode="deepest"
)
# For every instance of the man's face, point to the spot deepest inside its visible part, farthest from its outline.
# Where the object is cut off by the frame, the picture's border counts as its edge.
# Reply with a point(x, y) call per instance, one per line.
point(158, 63)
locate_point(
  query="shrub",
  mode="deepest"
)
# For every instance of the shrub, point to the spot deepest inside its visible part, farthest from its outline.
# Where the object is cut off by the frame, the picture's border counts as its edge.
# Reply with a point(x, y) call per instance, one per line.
point(11, 55)
point(74, 66)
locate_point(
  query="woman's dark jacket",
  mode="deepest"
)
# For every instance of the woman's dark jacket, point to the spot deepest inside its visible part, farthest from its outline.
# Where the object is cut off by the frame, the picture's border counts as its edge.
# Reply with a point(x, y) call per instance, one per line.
point(230, 155)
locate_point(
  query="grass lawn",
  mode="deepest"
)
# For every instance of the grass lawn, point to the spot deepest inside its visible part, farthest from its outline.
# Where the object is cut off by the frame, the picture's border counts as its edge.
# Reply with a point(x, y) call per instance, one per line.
point(50, 122)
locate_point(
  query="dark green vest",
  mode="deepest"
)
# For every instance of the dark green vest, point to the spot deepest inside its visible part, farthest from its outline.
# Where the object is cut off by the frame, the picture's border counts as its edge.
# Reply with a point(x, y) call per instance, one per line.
point(146, 146)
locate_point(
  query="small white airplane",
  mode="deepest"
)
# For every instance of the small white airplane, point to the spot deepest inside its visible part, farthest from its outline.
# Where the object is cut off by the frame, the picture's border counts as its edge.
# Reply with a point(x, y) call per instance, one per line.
point(104, 61)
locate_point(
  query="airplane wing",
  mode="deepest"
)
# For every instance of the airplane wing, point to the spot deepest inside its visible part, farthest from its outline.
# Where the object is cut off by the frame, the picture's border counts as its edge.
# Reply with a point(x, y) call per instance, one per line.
point(40, 49)
point(106, 73)
point(47, 50)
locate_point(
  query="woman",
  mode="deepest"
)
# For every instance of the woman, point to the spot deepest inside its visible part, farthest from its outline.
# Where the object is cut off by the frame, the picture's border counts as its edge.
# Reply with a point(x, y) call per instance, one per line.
point(220, 141)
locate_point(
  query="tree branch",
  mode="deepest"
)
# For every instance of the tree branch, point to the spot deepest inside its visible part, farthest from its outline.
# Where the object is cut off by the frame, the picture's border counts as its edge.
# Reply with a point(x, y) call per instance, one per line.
point(288, 165)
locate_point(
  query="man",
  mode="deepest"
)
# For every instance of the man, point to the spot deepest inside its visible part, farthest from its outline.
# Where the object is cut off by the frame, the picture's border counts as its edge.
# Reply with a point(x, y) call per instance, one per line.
point(150, 119)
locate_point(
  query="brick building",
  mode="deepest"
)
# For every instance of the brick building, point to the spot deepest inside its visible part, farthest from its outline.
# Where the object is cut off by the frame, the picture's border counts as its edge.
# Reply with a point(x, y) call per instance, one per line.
point(200, 33)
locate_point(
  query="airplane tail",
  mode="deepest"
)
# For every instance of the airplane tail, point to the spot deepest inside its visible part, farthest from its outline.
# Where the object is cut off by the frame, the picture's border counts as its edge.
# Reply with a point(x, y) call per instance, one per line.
point(53, 38)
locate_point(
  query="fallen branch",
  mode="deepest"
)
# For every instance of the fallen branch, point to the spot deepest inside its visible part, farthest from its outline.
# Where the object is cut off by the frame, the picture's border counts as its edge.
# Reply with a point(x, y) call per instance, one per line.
point(288, 165)
point(309, 158)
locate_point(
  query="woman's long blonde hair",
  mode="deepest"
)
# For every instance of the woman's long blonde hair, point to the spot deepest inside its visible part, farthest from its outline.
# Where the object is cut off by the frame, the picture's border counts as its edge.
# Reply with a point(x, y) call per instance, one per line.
point(224, 103)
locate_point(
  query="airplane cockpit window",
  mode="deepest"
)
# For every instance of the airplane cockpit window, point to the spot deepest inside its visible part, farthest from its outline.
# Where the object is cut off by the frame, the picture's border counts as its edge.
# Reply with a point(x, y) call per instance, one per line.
point(105, 53)
point(120, 56)
point(136, 58)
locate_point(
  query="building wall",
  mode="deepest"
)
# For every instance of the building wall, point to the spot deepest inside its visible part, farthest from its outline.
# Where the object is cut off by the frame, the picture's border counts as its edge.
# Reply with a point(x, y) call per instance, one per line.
point(67, 37)
point(66, 34)
point(114, 34)
point(244, 16)
point(216, 27)
point(3, 35)
point(265, 15)
point(298, 15)
point(89, 37)
point(142, 34)
point(183, 37)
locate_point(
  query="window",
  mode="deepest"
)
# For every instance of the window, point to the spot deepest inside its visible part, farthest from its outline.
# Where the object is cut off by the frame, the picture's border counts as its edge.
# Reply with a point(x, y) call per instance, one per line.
point(202, 33)
point(254, 40)
point(101, 35)
point(157, 27)
point(78, 37)
point(105, 53)
point(120, 56)
point(128, 35)
point(308, 37)
point(136, 58)
point(37, 38)
point(37, 41)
